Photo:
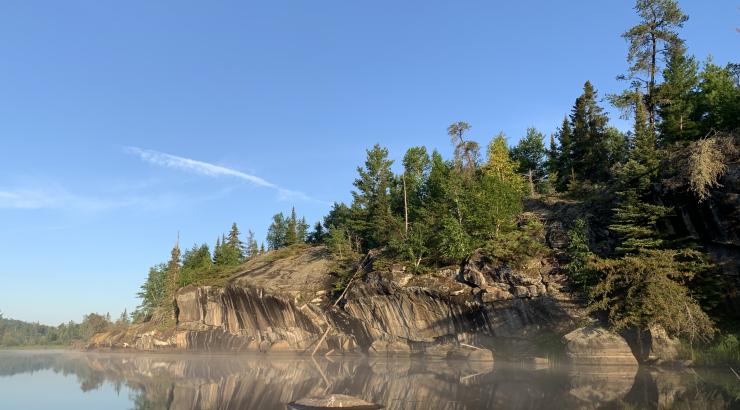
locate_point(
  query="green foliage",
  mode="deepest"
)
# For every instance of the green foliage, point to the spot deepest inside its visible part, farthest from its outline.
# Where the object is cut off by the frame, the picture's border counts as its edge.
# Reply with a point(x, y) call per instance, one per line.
point(339, 243)
point(648, 288)
point(286, 231)
point(16, 333)
point(277, 232)
point(454, 242)
point(196, 264)
point(317, 235)
point(589, 156)
point(636, 222)
point(578, 256)
point(372, 201)
point(563, 163)
point(649, 41)
point(154, 290)
point(677, 98)
point(252, 249)
point(718, 105)
point(518, 246)
point(530, 153)
point(723, 351)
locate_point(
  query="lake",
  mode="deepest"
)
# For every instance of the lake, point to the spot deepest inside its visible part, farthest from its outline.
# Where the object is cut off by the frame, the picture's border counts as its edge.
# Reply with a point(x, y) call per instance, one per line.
point(79, 380)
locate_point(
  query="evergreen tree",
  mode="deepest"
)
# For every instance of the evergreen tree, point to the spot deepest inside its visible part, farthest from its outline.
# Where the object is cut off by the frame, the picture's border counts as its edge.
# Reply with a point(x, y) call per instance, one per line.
point(218, 258)
point(154, 290)
point(530, 153)
point(262, 248)
point(649, 42)
point(372, 200)
point(564, 162)
point(236, 245)
point(677, 98)
point(252, 247)
point(589, 156)
point(302, 230)
point(497, 195)
point(648, 288)
point(578, 255)
point(196, 263)
point(718, 106)
point(291, 231)
point(277, 232)
point(173, 269)
point(466, 152)
point(551, 161)
point(317, 234)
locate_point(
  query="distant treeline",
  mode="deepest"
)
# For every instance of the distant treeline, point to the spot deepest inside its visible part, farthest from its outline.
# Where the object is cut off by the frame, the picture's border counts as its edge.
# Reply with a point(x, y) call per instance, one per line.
point(18, 333)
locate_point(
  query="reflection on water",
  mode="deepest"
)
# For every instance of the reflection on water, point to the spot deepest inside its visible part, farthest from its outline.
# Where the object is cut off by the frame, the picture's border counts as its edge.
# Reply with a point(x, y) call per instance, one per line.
point(269, 382)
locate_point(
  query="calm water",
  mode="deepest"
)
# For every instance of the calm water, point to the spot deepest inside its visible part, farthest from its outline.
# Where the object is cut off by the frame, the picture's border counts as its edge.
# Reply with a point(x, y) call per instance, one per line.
point(72, 380)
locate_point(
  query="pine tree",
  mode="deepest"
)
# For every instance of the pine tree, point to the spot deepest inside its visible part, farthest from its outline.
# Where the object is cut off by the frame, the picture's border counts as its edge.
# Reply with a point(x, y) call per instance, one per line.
point(466, 152)
point(649, 42)
point(262, 248)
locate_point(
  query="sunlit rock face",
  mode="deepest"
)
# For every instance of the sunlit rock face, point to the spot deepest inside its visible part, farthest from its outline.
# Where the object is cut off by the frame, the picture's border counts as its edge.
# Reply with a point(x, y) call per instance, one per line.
point(286, 306)
point(385, 313)
point(597, 346)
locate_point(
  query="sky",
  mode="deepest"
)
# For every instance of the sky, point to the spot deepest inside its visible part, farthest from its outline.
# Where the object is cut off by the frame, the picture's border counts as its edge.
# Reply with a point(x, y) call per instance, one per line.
point(124, 123)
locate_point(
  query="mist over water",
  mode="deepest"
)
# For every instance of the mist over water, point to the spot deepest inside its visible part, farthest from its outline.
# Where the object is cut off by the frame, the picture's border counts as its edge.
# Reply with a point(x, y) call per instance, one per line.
point(76, 380)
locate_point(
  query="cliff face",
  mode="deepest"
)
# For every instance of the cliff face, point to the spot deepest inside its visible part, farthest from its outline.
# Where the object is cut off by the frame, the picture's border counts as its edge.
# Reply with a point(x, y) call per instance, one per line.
point(715, 225)
point(285, 304)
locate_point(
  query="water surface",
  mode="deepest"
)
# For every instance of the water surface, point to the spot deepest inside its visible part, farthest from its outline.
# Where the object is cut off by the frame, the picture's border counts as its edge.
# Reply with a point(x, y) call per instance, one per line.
point(76, 380)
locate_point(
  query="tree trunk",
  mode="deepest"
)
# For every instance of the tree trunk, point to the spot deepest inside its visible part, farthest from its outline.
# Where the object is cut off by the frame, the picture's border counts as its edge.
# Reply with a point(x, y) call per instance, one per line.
point(405, 206)
point(531, 184)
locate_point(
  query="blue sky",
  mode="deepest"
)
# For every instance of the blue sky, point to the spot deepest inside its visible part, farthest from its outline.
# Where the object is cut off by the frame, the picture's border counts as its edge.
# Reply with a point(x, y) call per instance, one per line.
point(122, 123)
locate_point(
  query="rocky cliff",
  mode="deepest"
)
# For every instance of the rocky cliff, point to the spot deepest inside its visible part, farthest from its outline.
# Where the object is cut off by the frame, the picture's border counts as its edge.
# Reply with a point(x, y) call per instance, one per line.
point(284, 303)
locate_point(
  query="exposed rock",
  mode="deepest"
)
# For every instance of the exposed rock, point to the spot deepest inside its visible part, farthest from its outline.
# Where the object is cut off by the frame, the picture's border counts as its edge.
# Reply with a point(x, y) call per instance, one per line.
point(389, 348)
point(653, 345)
point(598, 346)
point(334, 401)
point(386, 313)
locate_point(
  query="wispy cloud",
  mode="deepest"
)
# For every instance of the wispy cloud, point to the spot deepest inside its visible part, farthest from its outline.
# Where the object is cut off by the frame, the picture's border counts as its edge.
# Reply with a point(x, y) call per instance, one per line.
point(212, 170)
point(58, 198)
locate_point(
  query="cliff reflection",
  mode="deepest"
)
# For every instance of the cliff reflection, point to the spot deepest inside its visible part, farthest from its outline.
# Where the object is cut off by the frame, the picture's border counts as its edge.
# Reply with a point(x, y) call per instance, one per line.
point(269, 382)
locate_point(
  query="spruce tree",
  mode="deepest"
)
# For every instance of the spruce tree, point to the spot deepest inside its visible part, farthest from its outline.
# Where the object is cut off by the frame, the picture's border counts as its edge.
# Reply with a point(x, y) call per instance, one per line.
point(589, 158)
point(317, 234)
point(564, 163)
point(372, 199)
point(277, 232)
point(236, 246)
point(302, 230)
point(291, 232)
point(677, 98)
point(530, 153)
point(252, 247)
